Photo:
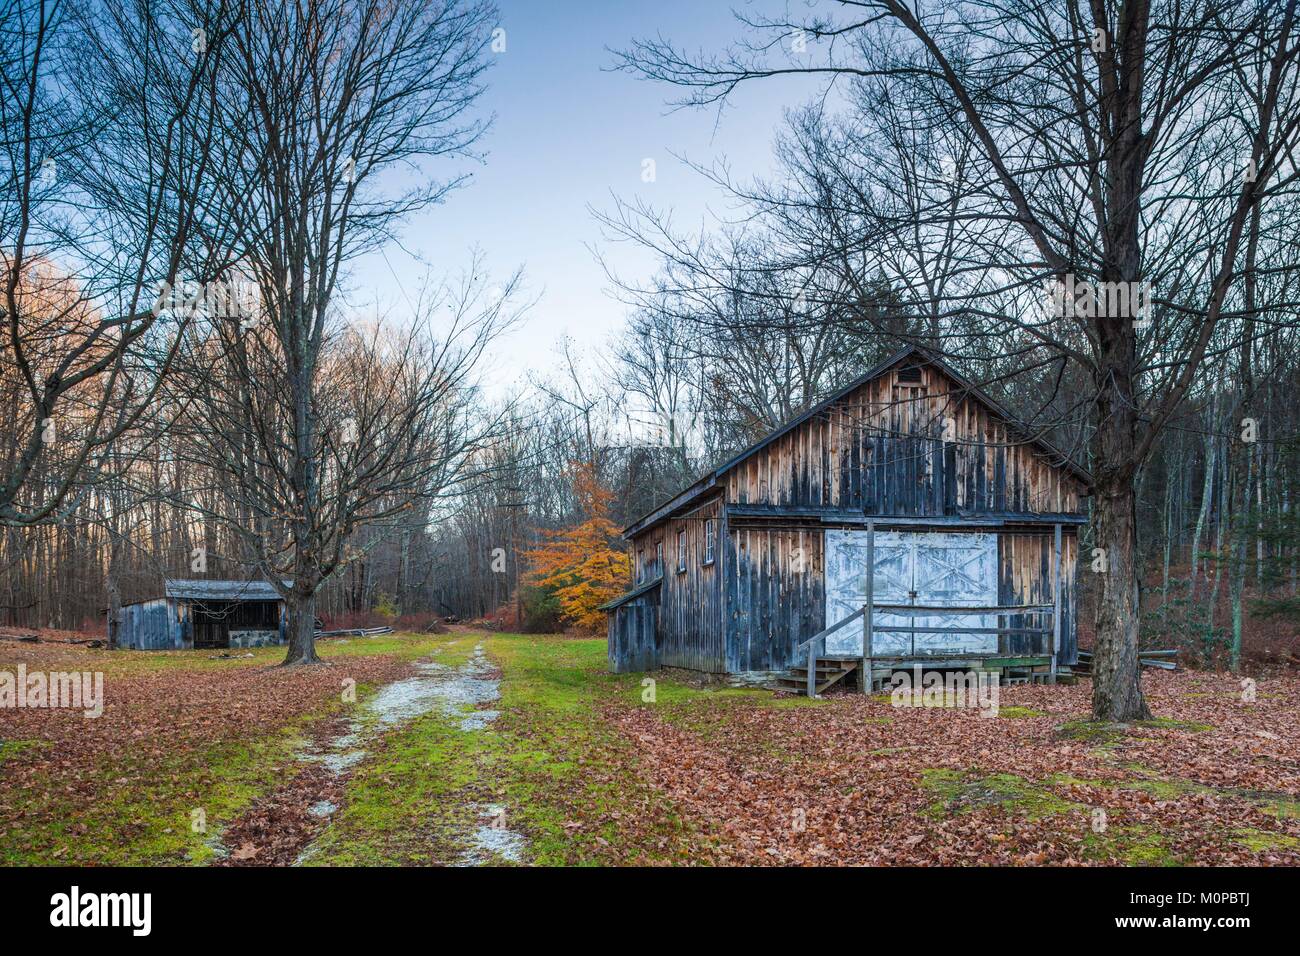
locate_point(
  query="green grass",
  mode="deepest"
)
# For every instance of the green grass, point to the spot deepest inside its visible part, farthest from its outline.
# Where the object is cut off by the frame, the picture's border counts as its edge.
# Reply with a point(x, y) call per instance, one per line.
point(407, 803)
point(1130, 845)
point(967, 791)
point(962, 792)
point(12, 748)
point(1262, 841)
point(1166, 723)
point(570, 782)
point(564, 765)
point(566, 780)
point(143, 811)
point(147, 814)
point(127, 663)
point(706, 710)
point(1017, 713)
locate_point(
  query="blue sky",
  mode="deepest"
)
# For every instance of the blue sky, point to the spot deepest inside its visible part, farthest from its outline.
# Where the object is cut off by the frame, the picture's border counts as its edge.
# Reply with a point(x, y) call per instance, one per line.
point(570, 134)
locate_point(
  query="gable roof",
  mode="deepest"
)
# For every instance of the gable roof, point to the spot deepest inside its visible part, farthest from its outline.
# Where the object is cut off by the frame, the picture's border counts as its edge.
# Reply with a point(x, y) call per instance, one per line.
point(711, 478)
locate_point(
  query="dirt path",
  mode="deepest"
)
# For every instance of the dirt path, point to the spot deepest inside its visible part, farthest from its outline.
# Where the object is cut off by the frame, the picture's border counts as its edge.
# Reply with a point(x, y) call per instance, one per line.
point(283, 827)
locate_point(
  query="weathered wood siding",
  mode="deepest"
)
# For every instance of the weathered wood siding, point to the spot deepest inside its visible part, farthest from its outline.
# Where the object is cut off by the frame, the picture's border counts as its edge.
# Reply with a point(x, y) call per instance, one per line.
point(690, 601)
point(774, 594)
point(892, 448)
point(632, 638)
point(168, 624)
point(1025, 562)
point(645, 565)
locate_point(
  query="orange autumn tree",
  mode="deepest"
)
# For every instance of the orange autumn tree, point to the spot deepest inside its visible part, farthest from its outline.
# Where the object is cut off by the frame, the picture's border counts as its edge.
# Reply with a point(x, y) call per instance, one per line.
point(582, 565)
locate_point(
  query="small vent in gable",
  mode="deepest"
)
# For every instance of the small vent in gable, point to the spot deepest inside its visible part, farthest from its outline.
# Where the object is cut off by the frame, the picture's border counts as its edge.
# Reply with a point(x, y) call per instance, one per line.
point(909, 376)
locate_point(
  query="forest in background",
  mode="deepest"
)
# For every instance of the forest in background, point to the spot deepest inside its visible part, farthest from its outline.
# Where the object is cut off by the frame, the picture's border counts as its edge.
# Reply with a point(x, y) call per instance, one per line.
point(667, 401)
point(365, 460)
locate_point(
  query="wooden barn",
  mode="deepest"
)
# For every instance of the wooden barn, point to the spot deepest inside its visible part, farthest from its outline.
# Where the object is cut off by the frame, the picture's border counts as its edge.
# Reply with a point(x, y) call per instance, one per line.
point(206, 614)
point(970, 524)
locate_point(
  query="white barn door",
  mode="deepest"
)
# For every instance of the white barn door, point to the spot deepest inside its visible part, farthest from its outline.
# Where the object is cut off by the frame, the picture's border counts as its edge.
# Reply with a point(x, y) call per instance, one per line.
point(956, 569)
point(846, 584)
point(934, 568)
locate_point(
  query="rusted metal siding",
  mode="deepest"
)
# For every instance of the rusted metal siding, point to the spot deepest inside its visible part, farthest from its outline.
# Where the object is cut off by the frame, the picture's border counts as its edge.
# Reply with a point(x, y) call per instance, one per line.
point(901, 449)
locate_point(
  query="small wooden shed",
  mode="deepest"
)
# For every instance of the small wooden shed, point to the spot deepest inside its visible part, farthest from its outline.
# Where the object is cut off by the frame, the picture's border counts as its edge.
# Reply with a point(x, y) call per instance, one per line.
point(206, 614)
point(967, 521)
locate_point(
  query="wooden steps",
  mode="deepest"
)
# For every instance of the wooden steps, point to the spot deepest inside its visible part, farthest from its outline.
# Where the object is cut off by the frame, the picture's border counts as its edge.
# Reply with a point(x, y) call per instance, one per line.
point(827, 673)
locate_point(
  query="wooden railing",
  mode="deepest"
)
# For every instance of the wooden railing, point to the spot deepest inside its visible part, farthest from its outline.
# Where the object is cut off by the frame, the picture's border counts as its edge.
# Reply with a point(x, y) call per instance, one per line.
point(819, 640)
point(1000, 610)
point(870, 607)
point(870, 628)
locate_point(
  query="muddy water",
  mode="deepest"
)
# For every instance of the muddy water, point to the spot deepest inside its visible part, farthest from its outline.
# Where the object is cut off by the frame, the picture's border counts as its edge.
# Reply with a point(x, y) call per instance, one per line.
point(458, 693)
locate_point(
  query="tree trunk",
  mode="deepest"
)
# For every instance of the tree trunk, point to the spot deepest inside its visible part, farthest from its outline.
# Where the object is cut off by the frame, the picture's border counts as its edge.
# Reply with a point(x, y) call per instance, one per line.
point(1237, 542)
point(1116, 687)
point(302, 631)
point(114, 588)
point(1169, 537)
point(1207, 492)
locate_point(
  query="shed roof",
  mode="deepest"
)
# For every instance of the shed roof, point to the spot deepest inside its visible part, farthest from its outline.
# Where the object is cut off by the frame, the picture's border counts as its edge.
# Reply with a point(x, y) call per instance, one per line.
point(711, 478)
point(631, 595)
point(209, 590)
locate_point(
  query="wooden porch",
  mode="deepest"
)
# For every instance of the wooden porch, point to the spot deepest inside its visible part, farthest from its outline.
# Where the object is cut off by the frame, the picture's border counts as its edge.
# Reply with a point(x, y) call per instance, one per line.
point(1036, 629)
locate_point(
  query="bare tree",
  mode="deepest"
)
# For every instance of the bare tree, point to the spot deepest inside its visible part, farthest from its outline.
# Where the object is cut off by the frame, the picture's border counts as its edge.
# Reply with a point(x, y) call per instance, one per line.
point(104, 144)
point(397, 422)
point(318, 102)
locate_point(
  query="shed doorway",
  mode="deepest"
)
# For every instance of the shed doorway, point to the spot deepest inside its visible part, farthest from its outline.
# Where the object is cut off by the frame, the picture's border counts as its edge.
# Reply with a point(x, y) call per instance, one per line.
point(231, 624)
point(931, 568)
point(210, 629)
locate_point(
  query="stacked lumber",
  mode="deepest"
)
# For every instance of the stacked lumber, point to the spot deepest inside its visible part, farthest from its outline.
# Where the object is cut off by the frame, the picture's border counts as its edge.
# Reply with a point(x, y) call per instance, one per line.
point(1163, 660)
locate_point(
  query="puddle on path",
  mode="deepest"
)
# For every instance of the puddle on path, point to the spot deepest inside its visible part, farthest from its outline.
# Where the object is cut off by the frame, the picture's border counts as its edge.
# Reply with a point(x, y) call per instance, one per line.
point(459, 694)
point(492, 841)
point(322, 808)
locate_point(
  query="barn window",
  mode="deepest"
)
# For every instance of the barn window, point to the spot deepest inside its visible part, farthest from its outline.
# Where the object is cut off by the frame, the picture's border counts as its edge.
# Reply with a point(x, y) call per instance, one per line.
point(909, 376)
point(681, 551)
point(659, 558)
point(710, 534)
point(640, 564)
